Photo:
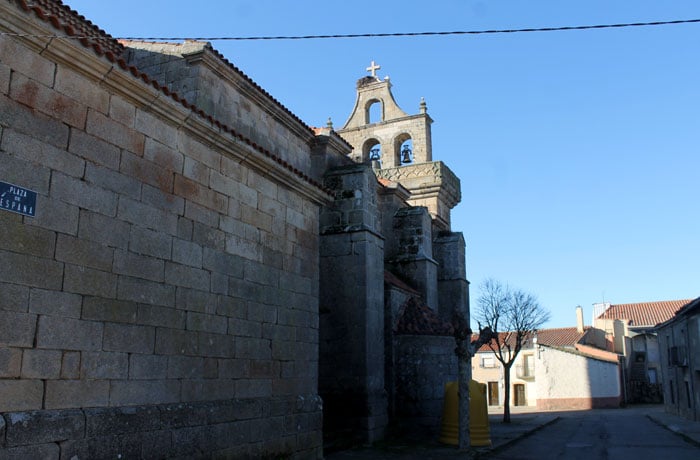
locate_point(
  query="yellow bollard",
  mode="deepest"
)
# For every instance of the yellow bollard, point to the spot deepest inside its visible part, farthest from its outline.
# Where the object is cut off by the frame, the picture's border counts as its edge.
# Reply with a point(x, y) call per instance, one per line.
point(479, 432)
point(450, 415)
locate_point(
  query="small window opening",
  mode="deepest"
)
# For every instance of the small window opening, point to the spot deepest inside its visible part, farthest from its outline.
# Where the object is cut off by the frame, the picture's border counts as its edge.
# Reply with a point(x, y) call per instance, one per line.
point(374, 112)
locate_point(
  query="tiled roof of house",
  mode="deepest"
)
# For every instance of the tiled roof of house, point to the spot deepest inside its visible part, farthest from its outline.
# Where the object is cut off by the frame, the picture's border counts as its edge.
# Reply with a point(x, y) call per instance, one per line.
point(555, 337)
point(597, 353)
point(418, 319)
point(502, 336)
point(645, 313)
point(560, 337)
point(691, 306)
point(611, 358)
point(688, 309)
point(70, 23)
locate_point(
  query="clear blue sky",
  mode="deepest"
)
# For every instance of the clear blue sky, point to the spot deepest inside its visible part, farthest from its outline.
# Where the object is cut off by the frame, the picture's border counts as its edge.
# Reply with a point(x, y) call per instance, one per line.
point(578, 152)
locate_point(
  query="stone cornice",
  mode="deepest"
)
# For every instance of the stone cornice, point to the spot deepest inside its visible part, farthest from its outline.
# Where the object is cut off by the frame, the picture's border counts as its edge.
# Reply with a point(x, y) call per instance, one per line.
point(394, 188)
point(343, 229)
point(335, 142)
point(444, 183)
point(132, 85)
point(408, 258)
point(393, 121)
point(224, 70)
point(20, 22)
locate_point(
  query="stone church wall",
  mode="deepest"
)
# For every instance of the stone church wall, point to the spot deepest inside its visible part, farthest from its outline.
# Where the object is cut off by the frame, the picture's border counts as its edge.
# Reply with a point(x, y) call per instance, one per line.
point(351, 377)
point(164, 298)
point(424, 364)
point(202, 76)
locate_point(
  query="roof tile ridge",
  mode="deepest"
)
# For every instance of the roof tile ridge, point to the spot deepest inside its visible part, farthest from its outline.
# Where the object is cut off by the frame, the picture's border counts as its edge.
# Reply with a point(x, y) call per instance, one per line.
point(48, 16)
point(651, 302)
point(97, 49)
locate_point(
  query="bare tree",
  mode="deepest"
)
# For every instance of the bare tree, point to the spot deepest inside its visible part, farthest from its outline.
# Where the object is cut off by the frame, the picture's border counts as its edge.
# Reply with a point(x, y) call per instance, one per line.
point(514, 316)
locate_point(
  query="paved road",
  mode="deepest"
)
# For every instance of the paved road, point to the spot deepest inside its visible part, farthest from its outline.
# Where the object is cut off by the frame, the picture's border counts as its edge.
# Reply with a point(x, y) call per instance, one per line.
point(601, 434)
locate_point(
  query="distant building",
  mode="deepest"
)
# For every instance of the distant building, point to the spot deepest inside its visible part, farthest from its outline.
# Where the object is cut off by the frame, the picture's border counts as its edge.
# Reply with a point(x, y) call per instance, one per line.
point(629, 331)
point(560, 368)
point(576, 379)
point(679, 343)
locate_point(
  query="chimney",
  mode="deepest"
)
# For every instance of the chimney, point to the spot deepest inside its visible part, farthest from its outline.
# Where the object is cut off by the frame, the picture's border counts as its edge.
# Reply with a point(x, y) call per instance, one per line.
point(579, 319)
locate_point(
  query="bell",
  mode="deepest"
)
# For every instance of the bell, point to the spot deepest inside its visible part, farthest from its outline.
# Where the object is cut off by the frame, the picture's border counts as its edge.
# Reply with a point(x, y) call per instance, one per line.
point(406, 155)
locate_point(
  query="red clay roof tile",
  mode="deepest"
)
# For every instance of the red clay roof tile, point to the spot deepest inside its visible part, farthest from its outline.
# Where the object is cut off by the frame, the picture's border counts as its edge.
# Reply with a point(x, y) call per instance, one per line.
point(72, 23)
point(645, 313)
point(391, 279)
point(560, 337)
point(555, 337)
point(62, 17)
point(416, 318)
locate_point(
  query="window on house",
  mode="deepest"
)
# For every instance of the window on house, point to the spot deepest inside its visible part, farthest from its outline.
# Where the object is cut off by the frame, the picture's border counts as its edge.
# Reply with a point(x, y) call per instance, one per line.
point(525, 369)
point(488, 361)
point(528, 365)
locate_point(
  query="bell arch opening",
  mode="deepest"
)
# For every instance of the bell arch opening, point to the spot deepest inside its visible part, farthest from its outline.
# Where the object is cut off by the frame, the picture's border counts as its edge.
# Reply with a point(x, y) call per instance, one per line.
point(374, 111)
point(371, 150)
point(403, 149)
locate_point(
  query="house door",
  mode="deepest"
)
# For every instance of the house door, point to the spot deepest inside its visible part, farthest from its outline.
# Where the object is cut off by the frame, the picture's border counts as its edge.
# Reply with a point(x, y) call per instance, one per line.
point(493, 393)
point(519, 394)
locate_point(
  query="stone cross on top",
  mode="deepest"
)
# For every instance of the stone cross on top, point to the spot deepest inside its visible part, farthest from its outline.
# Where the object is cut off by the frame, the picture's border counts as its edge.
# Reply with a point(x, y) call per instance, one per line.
point(373, 69)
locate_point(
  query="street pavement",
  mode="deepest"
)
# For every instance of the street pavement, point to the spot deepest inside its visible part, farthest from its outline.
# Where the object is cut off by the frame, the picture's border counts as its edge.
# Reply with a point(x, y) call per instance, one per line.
point(604, 434)
point(525, 424)
point(688, 430)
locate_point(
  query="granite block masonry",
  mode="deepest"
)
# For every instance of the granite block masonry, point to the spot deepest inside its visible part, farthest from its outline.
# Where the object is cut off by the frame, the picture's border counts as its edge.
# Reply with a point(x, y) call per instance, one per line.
point(352, 317)
point(147, 308)
point(203, 274)
point(393, 362)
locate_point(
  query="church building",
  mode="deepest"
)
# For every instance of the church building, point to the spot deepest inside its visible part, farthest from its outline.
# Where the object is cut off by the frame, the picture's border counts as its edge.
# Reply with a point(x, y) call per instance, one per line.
point(391, 278)
point(187, 269)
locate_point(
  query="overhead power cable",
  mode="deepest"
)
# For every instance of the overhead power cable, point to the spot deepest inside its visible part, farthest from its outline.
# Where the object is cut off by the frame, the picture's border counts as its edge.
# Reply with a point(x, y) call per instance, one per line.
point(395, 34)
